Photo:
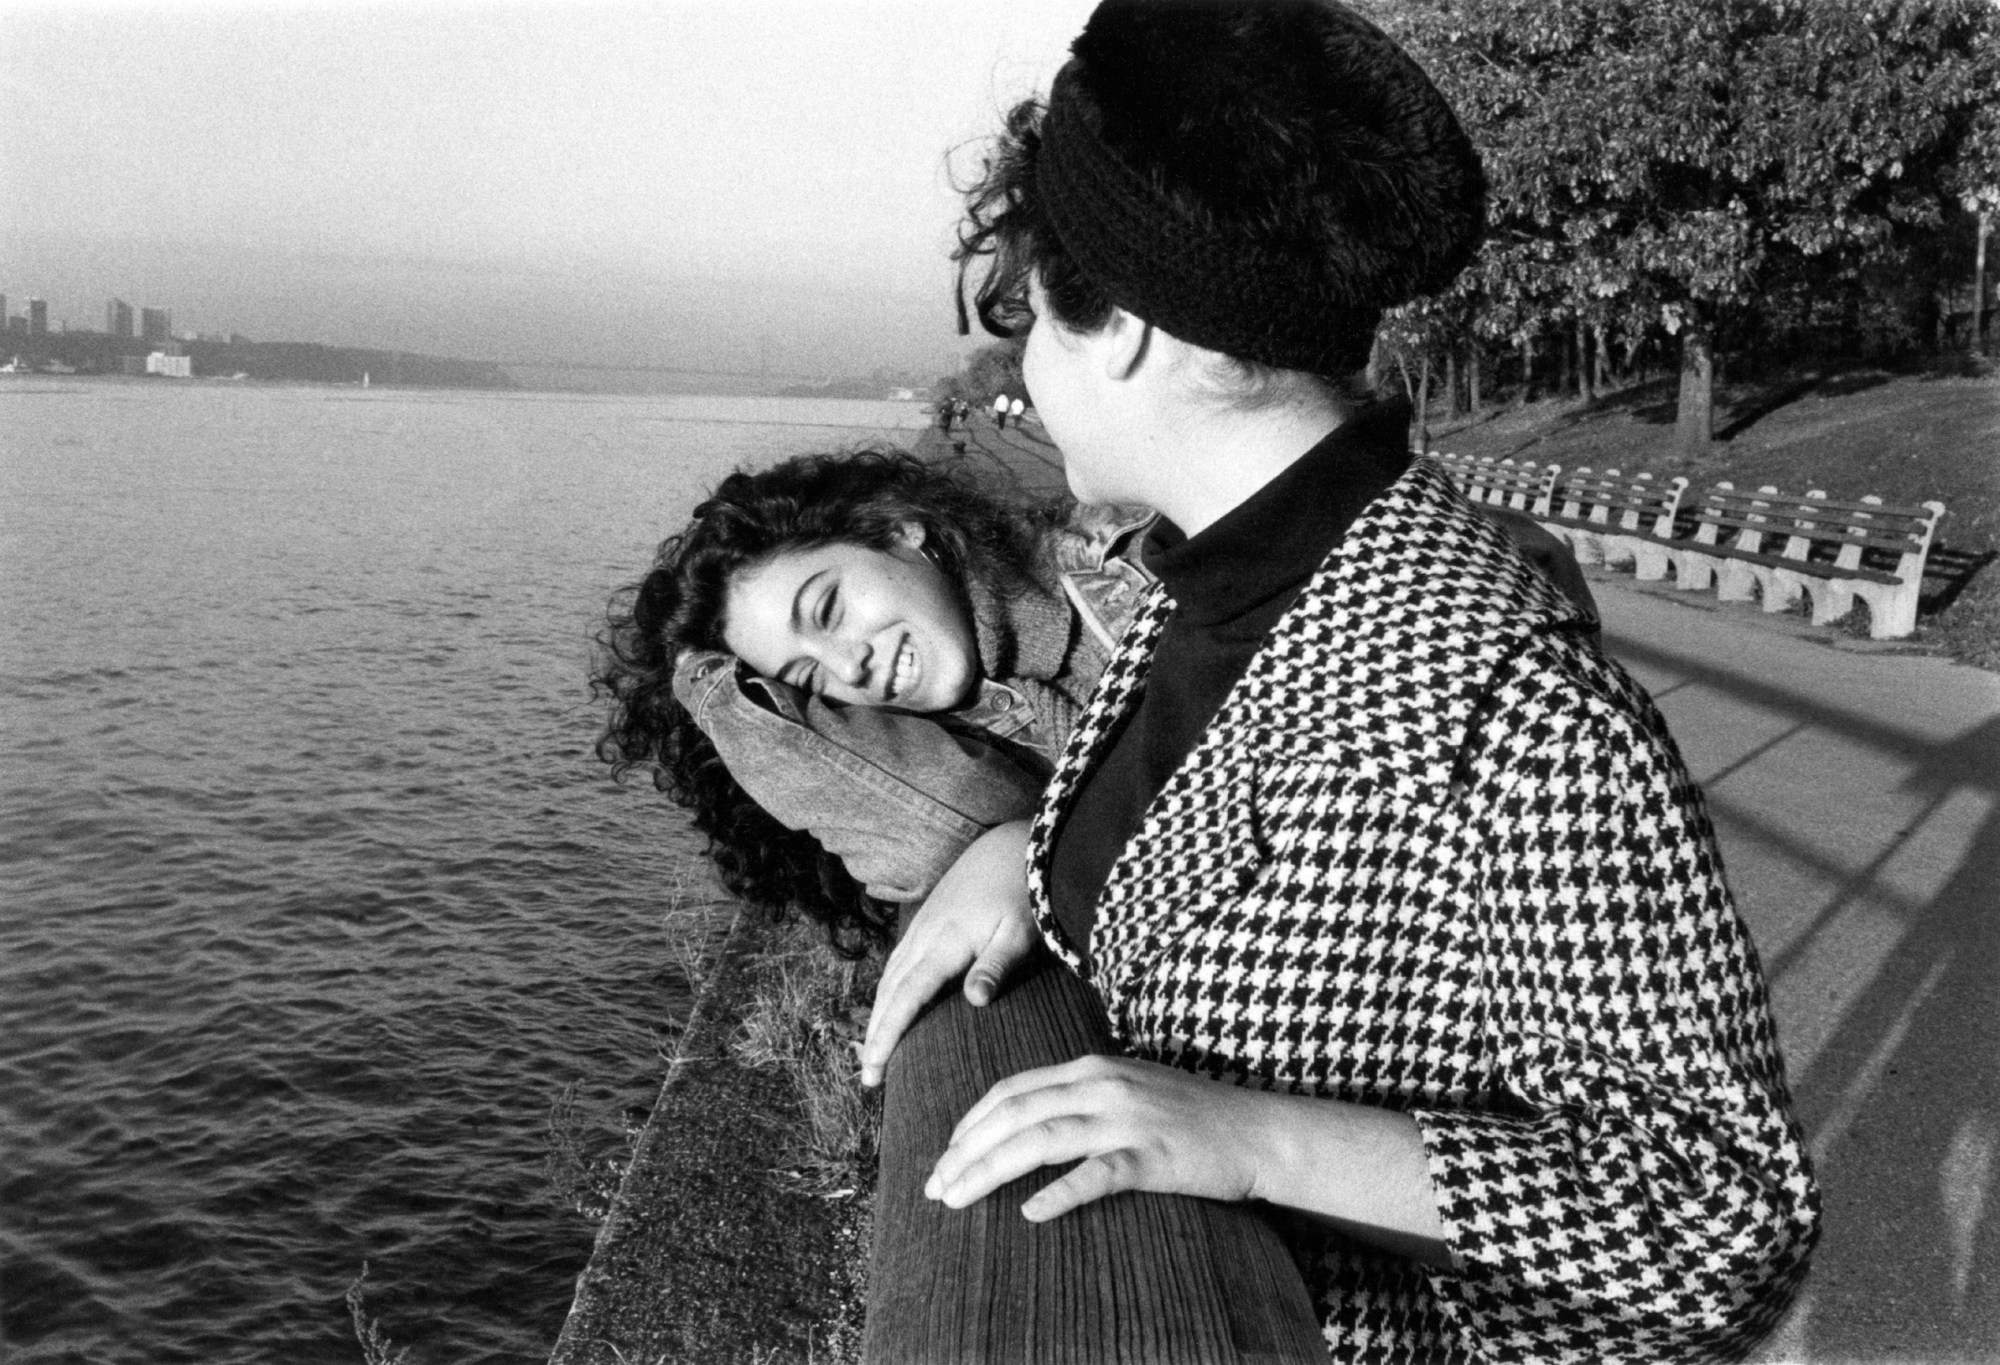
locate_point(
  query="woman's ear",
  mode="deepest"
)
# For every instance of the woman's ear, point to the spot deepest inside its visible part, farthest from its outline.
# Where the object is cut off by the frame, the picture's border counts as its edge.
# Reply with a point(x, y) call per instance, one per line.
point(1125, 341)
point(911, 535)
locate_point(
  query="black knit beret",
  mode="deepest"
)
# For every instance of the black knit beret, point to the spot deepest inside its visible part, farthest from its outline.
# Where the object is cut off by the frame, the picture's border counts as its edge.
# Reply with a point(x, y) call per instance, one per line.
point(1260, 179)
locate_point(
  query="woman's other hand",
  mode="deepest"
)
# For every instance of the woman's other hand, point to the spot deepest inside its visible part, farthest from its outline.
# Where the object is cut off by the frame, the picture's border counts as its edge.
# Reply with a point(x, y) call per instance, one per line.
point(1134, 1125)
point(976, 921)
point(1137, 1125)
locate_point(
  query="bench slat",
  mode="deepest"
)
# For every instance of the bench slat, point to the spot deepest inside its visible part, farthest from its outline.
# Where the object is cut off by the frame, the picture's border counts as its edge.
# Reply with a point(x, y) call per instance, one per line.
point(1783, 504)
point(1818, 568)
point(1788, 527)
point(1876, 509)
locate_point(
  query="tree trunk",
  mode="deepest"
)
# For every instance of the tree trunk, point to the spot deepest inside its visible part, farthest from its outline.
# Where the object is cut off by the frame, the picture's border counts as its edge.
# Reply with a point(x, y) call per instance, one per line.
point(1978, 337)
point(1527, 370)
point(1603, 360)
point(1694, 423)
point(1584, 389)
point(1452, 406)
point(1562, 367)
point(1472, 378)
point(1423, 421)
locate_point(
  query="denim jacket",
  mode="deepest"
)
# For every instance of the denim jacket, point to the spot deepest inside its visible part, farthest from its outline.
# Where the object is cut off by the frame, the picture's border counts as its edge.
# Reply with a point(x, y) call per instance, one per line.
point(895, 795)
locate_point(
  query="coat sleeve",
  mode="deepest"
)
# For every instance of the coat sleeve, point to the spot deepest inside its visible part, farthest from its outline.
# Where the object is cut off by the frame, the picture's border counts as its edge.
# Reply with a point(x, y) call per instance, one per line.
point(1642, 1191)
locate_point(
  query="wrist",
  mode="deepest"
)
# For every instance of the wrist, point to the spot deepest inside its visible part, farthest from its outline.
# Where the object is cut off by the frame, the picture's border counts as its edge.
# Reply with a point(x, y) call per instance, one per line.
point(1361, 1167)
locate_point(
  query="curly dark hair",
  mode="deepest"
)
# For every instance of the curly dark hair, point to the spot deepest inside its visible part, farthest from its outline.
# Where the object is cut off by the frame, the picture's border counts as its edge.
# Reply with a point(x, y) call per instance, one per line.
point(863, 497)
point(1007, 230)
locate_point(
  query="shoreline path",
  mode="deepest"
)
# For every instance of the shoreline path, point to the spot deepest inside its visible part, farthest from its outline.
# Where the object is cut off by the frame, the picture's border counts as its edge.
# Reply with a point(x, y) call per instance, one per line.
point(1856, 795)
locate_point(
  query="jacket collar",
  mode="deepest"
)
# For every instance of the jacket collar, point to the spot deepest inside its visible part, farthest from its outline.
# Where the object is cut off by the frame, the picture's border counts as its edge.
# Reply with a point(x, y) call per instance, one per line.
point(1377, 668)
point(1024, 634)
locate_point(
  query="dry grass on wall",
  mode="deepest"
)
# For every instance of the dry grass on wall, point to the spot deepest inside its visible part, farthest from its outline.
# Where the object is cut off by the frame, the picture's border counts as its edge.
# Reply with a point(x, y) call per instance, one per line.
point(807, 1020)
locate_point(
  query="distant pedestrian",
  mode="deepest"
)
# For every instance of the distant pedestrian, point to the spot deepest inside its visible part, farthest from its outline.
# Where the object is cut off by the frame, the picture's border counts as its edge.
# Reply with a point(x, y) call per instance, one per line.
point(1000, 411)
point(946, 410)
point(1015, 409)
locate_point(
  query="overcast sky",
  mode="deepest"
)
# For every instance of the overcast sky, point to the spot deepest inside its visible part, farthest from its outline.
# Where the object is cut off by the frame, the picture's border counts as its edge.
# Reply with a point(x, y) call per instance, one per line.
point(679, 181)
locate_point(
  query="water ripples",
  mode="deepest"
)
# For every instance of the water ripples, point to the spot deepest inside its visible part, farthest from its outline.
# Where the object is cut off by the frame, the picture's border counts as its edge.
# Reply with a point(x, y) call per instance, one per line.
point(313, 897)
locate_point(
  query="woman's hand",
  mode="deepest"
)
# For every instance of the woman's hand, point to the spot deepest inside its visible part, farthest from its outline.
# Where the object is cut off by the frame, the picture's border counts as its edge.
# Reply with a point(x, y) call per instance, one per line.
point(1134, 1125)
point(1142, 1126)
point(977, 920)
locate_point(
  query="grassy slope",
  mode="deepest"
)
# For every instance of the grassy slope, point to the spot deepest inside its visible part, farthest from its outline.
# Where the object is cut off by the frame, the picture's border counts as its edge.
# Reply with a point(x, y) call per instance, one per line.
point(1907, 439)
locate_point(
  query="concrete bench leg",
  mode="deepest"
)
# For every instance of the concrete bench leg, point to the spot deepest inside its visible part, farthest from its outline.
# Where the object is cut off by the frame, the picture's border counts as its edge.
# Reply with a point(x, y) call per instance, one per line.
point(1737, 582)
point(1892, 608)
point(1831, 600)
point(1693, 572)
point(1782, 588)
point(1650, 562)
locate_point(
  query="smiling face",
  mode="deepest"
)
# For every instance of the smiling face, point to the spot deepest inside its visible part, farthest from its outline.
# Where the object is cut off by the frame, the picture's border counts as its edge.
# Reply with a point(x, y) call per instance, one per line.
point(856, 625)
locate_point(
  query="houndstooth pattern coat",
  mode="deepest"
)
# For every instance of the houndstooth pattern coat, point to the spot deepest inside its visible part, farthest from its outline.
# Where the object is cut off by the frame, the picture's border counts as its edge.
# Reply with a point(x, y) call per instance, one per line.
point(1436, 854)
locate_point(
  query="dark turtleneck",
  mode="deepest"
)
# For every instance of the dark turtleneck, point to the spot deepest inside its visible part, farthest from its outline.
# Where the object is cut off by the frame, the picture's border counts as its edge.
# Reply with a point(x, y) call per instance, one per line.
point(1230, 585)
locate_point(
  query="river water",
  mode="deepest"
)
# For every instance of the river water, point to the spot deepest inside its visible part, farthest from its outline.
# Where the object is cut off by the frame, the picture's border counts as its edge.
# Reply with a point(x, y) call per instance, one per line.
point(312, 896)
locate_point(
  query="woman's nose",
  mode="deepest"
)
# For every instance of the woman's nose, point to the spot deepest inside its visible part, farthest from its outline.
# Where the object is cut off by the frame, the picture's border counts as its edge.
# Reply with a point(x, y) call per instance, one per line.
point(848, 660)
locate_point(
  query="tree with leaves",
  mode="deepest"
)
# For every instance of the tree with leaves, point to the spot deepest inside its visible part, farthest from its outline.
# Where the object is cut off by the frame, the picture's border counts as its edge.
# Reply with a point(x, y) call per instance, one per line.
point(1657, 163)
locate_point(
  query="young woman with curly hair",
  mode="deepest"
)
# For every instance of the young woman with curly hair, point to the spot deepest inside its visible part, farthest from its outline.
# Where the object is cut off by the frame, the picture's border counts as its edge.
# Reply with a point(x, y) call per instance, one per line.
point(848, 666)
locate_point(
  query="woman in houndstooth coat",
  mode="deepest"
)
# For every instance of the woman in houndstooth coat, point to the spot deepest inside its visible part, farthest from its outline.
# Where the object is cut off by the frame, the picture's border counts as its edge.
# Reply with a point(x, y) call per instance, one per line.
point(1396, 891)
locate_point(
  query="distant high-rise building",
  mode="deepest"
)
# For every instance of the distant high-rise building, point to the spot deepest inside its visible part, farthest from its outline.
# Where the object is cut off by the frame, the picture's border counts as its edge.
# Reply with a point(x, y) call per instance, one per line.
point(118, 318)
point(38, 317)
point(155, 324)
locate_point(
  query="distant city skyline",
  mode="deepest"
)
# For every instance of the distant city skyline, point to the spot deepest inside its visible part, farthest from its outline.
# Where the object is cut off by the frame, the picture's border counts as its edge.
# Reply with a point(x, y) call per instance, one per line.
point(436, 316)
point(150, 324)
point(697, 181)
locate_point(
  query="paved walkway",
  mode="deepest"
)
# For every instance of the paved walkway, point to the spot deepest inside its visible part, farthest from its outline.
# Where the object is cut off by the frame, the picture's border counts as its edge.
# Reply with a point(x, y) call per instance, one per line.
point(1854, 793)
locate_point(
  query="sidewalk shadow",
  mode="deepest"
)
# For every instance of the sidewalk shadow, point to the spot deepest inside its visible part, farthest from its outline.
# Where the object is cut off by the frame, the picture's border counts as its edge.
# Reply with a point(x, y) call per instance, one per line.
point(1910, 1253)
point(1902, 1102)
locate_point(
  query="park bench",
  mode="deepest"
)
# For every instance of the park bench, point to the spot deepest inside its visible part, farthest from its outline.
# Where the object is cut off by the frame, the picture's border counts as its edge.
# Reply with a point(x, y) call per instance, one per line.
point(1611, 519)
point(1520, 485)
point(1458, 468)
point(1782, 546)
